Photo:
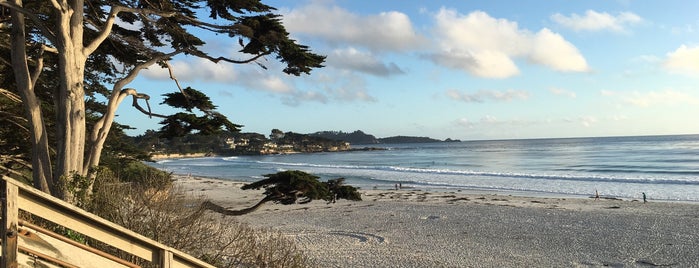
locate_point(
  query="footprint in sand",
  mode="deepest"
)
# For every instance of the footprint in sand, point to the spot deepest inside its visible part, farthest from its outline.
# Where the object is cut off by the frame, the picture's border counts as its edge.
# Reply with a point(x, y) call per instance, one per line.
point(341, 238)
point(362, 237)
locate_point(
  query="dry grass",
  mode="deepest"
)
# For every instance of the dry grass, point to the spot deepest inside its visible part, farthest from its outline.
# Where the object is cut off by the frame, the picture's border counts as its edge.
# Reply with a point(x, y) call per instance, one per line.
point(174, 219)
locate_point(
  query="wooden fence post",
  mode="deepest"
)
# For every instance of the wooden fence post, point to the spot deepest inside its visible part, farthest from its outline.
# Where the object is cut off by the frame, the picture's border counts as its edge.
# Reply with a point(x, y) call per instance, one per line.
point(9, 224)
point(165, 258)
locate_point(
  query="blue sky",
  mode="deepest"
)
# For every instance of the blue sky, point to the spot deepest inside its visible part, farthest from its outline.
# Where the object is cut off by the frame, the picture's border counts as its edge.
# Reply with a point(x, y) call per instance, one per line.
point(463, 70)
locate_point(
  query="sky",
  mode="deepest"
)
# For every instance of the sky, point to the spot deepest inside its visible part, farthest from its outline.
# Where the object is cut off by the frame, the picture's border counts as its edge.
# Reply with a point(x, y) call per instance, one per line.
point(468, 70)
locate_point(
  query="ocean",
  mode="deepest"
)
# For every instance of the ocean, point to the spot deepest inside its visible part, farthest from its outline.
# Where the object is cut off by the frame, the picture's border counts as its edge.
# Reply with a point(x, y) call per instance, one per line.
point(663, 167)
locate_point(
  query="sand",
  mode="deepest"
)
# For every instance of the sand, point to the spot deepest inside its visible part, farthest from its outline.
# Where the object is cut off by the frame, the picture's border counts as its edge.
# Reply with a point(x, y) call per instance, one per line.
point(417, 228)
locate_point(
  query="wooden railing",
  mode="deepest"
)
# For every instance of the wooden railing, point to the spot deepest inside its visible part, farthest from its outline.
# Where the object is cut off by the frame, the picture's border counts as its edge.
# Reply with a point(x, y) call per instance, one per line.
point(23, 242)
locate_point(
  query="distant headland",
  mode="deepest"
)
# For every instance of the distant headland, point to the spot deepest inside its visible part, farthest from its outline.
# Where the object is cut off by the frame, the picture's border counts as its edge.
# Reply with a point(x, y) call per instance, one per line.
point(278, 142)
point(359, 137)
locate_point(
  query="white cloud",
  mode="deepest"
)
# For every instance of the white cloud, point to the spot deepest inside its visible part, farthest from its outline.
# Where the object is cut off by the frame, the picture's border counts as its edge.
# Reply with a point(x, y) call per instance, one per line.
point(587, 121)
point(353, 59)
point(296, 98)
point(607, 93)
point(489, 119)
point(196, 69)
point(486, 47)
point(384, 31)
point(552, 50)
point(684, 60)
point(618, 117)
point(596, 21)
point(647, 99)
point(483, 95)
point(656, 98)
point(272, 84)
point(486, 63)
point(349, 88)
point(647, 58)
point(344, 87)
point(562, 92)
point(686, 29)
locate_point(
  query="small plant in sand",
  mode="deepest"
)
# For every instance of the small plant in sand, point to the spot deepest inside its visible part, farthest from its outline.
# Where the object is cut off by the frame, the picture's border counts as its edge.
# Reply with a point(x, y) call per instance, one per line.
point(290, 187)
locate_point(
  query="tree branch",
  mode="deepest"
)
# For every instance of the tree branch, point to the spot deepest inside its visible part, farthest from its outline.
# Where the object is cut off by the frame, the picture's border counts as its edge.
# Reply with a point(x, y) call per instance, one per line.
point(56, 5)
point(216, 60)
point(111, 19)
point(40, 63)
point(15, 120)
point(172, 76)
point(136, 97)
point(4, 61)
point(135, 71)
point(208, 26)
point(229, 212)
point(10, 95)
point(33, 17)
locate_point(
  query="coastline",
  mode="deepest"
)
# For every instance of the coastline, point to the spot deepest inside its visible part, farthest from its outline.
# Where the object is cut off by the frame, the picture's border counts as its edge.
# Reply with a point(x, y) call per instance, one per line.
point(156, 157)
point(419, 228)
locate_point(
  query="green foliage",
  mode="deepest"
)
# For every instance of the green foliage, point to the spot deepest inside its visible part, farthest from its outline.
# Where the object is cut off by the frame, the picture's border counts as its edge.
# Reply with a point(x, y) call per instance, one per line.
point(78, 188)
point(295, 186)
point(191, 98)
point(145, 176)
point(180, 124)
point(343, 191)
point(287, 187)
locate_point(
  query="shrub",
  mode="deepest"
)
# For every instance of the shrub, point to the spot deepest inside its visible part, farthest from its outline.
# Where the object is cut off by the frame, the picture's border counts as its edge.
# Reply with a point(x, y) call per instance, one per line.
point(145, 176)
point(172, 218)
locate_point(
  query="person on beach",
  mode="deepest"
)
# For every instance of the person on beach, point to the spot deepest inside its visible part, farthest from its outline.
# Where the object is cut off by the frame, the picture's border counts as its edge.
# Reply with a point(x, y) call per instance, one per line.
point(644, 198)
point(596, 194)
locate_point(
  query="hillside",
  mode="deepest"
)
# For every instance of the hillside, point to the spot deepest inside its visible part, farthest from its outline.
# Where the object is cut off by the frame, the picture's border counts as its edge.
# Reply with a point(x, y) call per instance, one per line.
point(359, 137)
point(356, 137)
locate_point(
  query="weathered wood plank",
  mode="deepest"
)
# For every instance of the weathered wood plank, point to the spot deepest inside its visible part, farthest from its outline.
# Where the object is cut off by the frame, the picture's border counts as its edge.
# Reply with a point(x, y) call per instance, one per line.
point(55, 210)
point(87, 226)
point(55, 246)
point(10, 224)
point(166, 259)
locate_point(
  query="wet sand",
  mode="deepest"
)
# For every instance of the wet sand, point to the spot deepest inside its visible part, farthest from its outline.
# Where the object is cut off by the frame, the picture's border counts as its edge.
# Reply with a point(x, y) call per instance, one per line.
point(416, 228)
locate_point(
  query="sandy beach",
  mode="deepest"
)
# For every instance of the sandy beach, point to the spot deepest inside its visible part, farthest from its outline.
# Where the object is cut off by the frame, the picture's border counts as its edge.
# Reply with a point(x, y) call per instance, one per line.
point(417, 228)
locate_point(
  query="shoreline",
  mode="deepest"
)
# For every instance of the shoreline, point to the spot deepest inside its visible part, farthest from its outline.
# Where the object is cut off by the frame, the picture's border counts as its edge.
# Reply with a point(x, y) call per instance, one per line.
point(472, 191)
point(419, 228)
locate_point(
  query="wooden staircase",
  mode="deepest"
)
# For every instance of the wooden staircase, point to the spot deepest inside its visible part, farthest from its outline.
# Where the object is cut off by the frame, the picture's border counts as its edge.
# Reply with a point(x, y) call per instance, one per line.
point(28, 245)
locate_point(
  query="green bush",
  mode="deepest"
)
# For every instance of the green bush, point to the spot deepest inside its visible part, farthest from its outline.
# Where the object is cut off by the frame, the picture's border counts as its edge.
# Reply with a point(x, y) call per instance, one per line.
point(145, 175)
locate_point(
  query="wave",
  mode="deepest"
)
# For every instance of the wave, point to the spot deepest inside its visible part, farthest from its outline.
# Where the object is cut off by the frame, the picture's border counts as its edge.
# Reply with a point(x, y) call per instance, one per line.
point(691, 180)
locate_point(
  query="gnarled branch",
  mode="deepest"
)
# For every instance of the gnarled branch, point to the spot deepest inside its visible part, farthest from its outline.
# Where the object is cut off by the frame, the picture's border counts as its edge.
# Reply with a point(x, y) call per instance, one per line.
point(172, 76)
point(217, 60)
point(136, 96)
point(111, 19)
point(40, 63)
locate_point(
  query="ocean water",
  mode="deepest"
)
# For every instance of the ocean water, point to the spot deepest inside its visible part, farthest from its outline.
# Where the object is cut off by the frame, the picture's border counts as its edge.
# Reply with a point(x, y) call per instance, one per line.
point(663, 167)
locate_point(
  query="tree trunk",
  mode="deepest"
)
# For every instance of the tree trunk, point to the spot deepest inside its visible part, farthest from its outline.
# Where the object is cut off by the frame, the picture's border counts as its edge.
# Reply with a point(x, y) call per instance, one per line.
point(70, 114)
point(219, 209)
point(41, 161)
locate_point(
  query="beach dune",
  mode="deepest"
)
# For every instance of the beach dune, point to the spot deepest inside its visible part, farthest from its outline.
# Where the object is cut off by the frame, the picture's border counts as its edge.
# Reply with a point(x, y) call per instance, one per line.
point(415, 228)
